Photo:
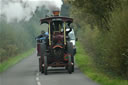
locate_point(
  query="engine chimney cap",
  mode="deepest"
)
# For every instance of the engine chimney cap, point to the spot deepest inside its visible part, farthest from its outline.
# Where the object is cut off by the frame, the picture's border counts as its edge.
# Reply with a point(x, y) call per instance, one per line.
point(56, 13)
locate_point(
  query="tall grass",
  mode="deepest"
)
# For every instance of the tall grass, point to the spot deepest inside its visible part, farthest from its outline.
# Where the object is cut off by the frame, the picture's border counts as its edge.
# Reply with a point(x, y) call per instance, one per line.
point(13, 60)
point(109, 50)
point(84, 61)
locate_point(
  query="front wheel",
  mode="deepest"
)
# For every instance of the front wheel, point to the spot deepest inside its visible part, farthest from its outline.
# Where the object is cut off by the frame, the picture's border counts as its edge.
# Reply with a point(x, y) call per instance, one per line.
point(69, 65)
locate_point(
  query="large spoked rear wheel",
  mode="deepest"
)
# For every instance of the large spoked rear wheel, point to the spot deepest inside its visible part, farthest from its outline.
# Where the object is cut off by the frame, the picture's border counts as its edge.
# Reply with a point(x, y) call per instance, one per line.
point(39, 65)
point(69, 65)
point(43, 53)
point(43, 49)
point(70, 51)
point(70, 48)
point(41, 68)
point(73, 63)
point(45, 65)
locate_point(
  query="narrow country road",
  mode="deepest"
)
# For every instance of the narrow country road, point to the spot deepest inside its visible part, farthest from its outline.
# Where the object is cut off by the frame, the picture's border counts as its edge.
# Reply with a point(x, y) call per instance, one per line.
point(26, 73)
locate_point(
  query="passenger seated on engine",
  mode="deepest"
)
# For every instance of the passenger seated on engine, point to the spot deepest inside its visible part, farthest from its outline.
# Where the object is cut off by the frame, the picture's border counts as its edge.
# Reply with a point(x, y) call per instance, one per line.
point(42, 38)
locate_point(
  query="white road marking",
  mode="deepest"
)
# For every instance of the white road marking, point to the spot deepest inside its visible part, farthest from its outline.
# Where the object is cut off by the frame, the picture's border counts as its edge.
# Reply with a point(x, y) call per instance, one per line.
point(38, 83)
point(37, 78)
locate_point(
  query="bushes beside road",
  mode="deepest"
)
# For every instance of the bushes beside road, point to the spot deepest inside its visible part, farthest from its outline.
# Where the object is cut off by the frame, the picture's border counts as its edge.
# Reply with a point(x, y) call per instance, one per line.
point(103, 29)
point(13, 60)
point(19, 37)
point(85, 63)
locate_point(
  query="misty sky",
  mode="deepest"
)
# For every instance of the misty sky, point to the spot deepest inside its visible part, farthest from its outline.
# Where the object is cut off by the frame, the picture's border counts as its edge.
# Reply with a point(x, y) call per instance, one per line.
point(24, 9)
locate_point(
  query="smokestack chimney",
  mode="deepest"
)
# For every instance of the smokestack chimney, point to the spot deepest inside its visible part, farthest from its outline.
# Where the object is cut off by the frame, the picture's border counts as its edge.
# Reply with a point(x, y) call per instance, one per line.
point(56, 13)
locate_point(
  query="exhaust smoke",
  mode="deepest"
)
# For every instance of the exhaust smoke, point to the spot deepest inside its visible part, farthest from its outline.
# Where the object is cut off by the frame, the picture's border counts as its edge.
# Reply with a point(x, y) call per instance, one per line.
point(17, 10)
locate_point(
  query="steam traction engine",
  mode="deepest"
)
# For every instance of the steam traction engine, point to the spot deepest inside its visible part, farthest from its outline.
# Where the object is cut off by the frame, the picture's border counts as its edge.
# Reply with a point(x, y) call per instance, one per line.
point(56, 50)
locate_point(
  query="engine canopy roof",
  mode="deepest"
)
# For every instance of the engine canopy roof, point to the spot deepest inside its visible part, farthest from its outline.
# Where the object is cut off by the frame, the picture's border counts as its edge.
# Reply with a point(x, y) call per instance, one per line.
point(56, 18)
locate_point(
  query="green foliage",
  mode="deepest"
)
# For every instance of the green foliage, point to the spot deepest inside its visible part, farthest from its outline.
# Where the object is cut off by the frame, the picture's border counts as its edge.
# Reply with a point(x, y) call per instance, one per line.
point(96, 12)
point(13, 60)
point(85, 63)
point(109, 49)
point(18, 37)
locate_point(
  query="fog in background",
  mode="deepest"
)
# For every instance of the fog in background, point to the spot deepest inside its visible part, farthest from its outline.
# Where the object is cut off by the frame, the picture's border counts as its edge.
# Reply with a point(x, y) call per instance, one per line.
point(17, 10)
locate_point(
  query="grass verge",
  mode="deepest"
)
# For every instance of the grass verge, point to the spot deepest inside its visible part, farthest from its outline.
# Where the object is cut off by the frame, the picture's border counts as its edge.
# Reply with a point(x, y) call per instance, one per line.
point(13, 60)
point(85, 64)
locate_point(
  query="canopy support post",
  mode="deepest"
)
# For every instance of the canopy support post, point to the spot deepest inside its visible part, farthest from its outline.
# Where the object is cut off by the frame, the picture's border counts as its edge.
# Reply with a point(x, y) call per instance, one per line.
point(64, 33)
point(49, 34)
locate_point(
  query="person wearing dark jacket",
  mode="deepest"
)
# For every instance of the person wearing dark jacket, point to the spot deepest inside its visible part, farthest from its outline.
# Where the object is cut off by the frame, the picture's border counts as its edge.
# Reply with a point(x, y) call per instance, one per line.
point(42, 34)
point(42, 38)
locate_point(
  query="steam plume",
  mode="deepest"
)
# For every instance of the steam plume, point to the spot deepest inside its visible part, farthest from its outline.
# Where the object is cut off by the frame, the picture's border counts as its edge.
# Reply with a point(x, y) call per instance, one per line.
point(24, 9)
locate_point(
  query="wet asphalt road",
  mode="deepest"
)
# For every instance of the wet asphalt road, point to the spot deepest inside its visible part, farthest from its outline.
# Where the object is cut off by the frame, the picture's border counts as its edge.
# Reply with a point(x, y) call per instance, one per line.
point(26, 73)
